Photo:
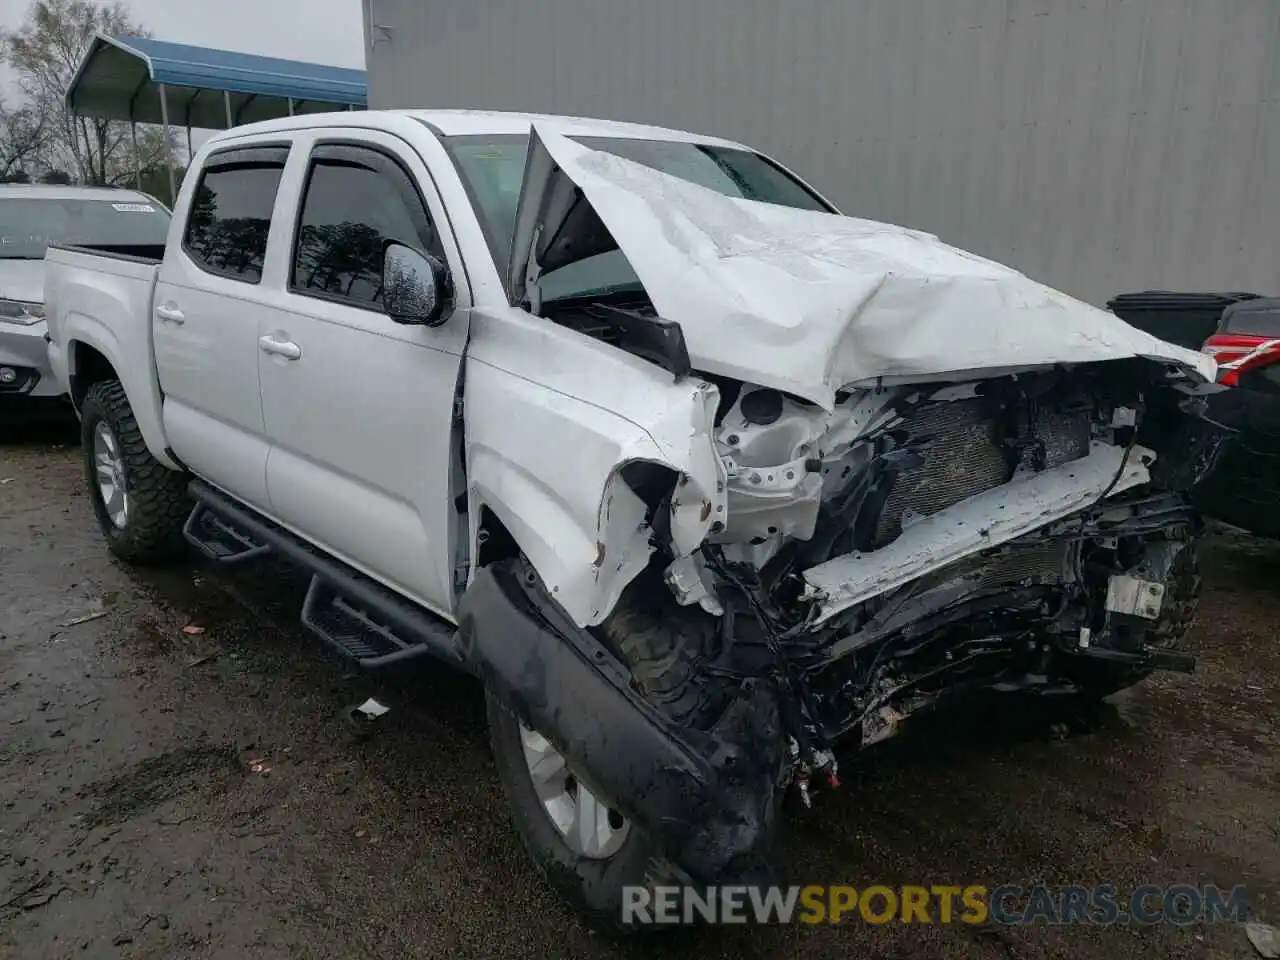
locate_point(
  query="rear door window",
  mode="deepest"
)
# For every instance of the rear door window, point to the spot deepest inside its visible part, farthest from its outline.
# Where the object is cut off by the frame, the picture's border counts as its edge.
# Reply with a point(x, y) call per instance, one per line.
point(230, 217)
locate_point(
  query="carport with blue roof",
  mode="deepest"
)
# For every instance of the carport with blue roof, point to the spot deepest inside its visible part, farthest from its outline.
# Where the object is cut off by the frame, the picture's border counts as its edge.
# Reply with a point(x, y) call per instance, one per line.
point(140, 80)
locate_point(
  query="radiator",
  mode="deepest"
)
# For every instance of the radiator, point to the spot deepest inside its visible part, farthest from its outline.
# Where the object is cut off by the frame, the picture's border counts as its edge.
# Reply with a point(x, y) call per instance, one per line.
point(963, 456)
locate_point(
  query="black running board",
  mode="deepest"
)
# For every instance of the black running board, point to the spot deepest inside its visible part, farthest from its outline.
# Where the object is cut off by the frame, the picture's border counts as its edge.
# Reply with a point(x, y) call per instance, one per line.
point(356, 616)
point(220, 541)
point(354, 631)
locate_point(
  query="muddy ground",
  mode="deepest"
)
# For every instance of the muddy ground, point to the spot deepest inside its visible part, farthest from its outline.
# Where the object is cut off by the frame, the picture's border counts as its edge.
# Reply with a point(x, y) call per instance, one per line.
point(173, 795)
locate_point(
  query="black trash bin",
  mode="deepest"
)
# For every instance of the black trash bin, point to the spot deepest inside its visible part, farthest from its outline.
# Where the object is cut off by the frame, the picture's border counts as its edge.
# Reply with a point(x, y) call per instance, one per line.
point(1187, 319)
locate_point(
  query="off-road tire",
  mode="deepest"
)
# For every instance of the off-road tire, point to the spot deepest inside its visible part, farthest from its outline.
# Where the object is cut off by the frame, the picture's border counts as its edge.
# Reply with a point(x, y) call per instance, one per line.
point(592, 887)
point(158, 499)
point(664, 645)
point(667, 648)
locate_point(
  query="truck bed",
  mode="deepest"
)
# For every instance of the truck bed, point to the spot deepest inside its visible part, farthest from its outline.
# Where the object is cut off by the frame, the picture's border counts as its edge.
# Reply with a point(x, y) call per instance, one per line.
point(92, 289)
point(150, 253)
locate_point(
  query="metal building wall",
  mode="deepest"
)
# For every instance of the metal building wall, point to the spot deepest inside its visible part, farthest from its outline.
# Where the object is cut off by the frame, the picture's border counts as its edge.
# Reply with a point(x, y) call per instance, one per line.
point(1098, 145)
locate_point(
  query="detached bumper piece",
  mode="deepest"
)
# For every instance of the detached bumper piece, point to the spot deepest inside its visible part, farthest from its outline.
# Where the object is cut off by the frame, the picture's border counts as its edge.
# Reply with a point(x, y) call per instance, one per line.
point(357, 617)
point(706, 797)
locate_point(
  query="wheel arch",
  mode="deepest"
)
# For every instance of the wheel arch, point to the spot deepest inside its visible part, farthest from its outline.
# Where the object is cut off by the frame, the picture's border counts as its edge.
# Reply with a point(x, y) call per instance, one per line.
point(95, 355)
point(585, 566)
point(86, 365)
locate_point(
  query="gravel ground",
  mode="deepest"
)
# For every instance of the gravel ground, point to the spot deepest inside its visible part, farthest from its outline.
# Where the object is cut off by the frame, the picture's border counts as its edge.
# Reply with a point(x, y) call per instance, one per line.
point(165, 794)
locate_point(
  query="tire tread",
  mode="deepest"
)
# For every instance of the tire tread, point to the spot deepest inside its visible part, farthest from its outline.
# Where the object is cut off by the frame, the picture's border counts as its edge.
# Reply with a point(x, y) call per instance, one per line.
point(158, 500)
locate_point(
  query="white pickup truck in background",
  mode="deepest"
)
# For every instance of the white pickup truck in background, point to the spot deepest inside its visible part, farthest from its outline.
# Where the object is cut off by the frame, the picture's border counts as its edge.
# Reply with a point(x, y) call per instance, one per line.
point(698, 475)
point(31, 217)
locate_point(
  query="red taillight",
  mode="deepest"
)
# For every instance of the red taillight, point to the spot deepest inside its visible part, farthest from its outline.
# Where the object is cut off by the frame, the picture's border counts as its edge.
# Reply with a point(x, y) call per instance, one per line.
point(1236, 352)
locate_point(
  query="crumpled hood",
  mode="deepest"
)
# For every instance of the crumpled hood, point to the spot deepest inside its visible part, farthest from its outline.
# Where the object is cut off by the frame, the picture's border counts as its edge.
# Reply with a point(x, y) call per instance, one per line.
point(811, 302)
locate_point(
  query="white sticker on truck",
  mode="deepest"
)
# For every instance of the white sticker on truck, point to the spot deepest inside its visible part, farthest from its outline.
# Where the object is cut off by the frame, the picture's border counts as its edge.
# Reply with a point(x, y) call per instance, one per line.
point(133, 207)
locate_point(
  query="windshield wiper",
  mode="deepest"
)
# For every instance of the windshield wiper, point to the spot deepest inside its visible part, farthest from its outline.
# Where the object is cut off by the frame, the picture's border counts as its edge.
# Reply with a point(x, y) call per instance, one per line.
point(630, 286)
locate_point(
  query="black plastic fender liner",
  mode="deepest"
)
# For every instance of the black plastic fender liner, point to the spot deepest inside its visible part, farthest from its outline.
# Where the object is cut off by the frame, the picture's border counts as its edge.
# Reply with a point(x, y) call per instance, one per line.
point(708, 799)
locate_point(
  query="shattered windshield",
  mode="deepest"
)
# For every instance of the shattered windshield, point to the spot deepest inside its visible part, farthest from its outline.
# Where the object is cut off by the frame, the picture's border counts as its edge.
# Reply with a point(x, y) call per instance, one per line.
point(29, 224)
point(492, 166)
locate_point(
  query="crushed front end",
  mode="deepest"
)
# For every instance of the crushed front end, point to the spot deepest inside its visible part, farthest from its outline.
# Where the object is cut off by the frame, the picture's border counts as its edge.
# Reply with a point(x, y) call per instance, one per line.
point(1021, 533)
point(816, 526)
point(912, 545)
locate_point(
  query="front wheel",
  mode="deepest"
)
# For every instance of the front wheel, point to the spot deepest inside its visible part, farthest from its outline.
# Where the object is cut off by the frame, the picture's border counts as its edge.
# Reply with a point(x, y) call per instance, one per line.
point(140, 504)
point(587, 851)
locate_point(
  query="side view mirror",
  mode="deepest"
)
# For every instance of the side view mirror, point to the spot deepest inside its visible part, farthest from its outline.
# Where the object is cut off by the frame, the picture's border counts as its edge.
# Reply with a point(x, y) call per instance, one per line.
point(416, 287)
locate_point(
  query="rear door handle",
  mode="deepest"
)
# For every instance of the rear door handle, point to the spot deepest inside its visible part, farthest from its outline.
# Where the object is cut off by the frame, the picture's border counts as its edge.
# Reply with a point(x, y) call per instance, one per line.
point(280, 348)
point(168, 314)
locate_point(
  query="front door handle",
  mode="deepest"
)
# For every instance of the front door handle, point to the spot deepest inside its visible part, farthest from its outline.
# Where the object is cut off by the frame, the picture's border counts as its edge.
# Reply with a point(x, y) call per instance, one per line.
point(280, 348)
point(168, 314)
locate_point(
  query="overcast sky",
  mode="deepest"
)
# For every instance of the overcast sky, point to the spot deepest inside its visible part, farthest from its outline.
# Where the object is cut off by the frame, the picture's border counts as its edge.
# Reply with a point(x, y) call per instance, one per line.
point(322, 31)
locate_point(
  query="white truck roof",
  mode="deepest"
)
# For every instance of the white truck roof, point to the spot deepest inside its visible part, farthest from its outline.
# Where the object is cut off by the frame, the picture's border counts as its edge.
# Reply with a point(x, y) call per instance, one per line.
point(465, 122)
point(454, 123)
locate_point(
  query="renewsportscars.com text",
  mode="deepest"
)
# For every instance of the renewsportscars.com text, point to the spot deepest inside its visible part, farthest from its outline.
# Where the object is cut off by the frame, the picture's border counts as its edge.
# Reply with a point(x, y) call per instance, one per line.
point(1008, 904)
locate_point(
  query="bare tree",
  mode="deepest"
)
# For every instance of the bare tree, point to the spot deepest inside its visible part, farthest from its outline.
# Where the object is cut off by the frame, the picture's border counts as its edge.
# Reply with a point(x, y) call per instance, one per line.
point(22, 134)
point(44, 53)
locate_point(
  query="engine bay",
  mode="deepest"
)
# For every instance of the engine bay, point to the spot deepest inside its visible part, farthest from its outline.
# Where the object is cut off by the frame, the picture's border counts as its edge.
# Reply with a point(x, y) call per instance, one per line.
point(1030, 531)
point(1076, 573)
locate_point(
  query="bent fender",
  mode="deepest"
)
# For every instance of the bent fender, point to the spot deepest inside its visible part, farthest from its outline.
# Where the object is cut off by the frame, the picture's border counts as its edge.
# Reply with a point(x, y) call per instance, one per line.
point(707, 798)
point(556, 480)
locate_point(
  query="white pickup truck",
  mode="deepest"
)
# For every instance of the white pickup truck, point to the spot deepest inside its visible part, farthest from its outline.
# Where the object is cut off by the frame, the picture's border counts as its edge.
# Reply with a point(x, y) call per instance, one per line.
point(698, 475)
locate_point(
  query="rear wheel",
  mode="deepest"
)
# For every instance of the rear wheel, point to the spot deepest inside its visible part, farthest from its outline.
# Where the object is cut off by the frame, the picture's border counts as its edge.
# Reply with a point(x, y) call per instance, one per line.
point(141, 505)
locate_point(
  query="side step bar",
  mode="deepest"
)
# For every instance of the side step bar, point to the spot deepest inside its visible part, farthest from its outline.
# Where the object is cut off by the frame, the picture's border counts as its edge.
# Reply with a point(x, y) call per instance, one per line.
point(218, 540)
point(355, 632)
point(356, 616)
